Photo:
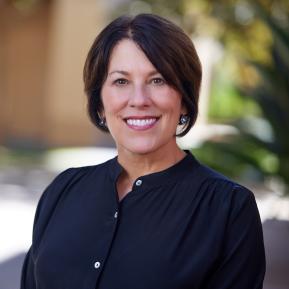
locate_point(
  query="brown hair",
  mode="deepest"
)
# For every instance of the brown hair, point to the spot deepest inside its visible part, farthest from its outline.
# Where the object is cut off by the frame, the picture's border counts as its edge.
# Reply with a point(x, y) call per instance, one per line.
point(168, 48)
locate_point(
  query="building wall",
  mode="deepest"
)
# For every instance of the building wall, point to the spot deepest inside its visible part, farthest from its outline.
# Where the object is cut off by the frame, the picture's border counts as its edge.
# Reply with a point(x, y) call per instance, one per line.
point(42, 53)
point(74, 25)
point(23, 54)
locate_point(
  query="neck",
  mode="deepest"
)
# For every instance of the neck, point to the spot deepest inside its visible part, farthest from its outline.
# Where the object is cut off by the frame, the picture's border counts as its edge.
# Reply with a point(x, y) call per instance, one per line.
point(136, 165)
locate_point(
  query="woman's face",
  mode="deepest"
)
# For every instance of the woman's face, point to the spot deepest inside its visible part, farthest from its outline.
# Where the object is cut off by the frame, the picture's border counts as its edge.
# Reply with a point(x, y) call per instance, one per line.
point(141, 110)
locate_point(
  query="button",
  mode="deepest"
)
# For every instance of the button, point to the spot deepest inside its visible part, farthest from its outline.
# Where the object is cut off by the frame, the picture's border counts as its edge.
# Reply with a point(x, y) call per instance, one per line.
point(96, 265)
point(138, 183)
point(115, 214)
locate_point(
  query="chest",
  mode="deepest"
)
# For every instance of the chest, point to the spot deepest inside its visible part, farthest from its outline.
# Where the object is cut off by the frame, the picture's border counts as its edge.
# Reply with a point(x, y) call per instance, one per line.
point(155, 237)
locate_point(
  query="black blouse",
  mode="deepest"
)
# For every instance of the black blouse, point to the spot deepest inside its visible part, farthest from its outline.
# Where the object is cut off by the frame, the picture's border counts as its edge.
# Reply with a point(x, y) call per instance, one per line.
point(186, 227)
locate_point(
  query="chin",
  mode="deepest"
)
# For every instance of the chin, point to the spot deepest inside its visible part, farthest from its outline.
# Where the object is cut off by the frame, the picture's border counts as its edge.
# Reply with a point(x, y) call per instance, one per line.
point(140, 147)
point(141, 150)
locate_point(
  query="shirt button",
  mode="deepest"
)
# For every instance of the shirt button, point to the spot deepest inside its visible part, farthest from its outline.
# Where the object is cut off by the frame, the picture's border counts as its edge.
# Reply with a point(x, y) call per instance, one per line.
point(115, 214)
point(138, 183)
point(96, 265)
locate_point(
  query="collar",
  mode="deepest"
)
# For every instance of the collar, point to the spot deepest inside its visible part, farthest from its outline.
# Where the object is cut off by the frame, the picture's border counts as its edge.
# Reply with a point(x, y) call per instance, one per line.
point(171, 174)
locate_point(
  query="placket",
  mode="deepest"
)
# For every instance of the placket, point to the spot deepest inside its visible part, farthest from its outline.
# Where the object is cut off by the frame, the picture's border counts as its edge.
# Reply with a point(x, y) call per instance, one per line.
point(104, 243)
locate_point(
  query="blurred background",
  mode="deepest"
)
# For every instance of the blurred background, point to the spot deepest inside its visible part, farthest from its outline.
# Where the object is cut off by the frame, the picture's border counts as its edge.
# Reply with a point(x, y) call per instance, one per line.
point(242, 130)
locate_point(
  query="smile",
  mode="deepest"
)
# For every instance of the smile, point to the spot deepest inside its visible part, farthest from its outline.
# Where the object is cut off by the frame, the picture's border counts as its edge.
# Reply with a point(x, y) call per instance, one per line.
point(141, 123)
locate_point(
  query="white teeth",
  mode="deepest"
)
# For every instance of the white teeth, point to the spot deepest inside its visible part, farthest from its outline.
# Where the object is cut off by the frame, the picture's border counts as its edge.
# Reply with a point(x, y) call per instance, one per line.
point(141, 122)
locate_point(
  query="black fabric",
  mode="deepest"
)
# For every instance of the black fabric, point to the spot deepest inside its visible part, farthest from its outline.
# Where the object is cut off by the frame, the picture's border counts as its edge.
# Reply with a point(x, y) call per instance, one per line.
point(186, 227)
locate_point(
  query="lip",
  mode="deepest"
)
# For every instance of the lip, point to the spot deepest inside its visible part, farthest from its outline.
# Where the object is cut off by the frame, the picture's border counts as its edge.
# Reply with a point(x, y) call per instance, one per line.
point(141, 123)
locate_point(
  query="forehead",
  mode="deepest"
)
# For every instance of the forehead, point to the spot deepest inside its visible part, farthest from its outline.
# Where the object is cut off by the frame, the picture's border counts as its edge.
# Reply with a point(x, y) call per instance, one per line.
point(126, 55)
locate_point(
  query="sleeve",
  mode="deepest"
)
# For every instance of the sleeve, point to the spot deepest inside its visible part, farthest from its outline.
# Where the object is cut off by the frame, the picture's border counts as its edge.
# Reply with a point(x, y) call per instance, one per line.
point(242, 261)
point(44, 210)
point(27, 275)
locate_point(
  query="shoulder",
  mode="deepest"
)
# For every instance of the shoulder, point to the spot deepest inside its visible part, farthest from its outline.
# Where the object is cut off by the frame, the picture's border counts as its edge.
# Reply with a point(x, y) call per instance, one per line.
point(60, 186)
point(68, 177)
point(71, 175)
point(221, 182)
point(217, 188)
point(226, 199)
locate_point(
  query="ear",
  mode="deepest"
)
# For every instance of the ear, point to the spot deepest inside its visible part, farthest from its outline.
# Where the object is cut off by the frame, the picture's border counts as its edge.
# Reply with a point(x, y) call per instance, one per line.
point(184, 110)
point(101, 113)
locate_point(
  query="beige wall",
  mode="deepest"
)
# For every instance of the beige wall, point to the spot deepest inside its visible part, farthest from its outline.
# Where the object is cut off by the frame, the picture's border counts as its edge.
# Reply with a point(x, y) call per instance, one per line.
point(22, 60)
point(74, 25)
point(41, 60)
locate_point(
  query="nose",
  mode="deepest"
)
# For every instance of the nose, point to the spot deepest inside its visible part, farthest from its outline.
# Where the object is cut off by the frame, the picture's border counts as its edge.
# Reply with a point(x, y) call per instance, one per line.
point(139, 97)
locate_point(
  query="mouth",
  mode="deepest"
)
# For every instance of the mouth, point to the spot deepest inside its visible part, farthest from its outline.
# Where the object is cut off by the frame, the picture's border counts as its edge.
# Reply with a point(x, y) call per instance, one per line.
point(141, 123)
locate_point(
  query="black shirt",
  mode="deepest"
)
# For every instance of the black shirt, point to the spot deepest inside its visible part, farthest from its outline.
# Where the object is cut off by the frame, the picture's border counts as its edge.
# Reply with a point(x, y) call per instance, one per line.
point(186, 227)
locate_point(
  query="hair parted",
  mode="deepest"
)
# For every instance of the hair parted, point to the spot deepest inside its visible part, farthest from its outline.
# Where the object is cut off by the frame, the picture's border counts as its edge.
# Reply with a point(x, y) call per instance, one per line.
point(168, 48)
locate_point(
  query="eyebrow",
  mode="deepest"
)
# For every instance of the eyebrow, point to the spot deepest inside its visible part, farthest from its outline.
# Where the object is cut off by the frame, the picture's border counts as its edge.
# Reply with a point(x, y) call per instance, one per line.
point(119, 71)
point(127, 73)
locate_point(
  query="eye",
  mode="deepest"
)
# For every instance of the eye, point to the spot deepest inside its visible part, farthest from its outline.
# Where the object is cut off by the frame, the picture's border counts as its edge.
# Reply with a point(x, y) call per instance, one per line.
point(121, 81)
point(158, 81)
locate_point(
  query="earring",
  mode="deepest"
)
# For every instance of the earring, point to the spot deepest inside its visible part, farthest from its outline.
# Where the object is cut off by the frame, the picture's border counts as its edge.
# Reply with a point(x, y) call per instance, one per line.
point(183, 119)
point(102, 122)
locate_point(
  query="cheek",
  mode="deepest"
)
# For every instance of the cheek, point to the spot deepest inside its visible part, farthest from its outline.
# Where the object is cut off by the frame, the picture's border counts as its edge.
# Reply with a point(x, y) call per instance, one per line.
point(171, 103)
point(112, 102)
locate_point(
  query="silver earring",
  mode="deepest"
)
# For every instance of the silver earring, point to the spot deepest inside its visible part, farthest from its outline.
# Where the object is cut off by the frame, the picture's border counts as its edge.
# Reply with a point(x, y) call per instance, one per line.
point(183, 119)
point(102, 122)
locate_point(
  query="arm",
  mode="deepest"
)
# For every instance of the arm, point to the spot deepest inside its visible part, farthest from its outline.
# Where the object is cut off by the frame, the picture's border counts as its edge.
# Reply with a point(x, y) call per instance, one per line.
point(242, 260)
point(27, 276)
point(44, 211)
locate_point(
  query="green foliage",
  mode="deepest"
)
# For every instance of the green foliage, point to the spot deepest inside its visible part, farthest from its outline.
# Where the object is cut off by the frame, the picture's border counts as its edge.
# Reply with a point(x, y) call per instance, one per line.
point(227, 103)
point(21, 157)
point(264, 148)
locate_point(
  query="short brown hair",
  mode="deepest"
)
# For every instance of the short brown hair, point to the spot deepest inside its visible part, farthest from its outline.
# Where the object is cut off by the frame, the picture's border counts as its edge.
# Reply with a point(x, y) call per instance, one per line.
point(168, 48)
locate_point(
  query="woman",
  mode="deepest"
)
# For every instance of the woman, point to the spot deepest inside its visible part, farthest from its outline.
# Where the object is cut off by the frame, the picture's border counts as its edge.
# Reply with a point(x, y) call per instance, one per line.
point(153, 217)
